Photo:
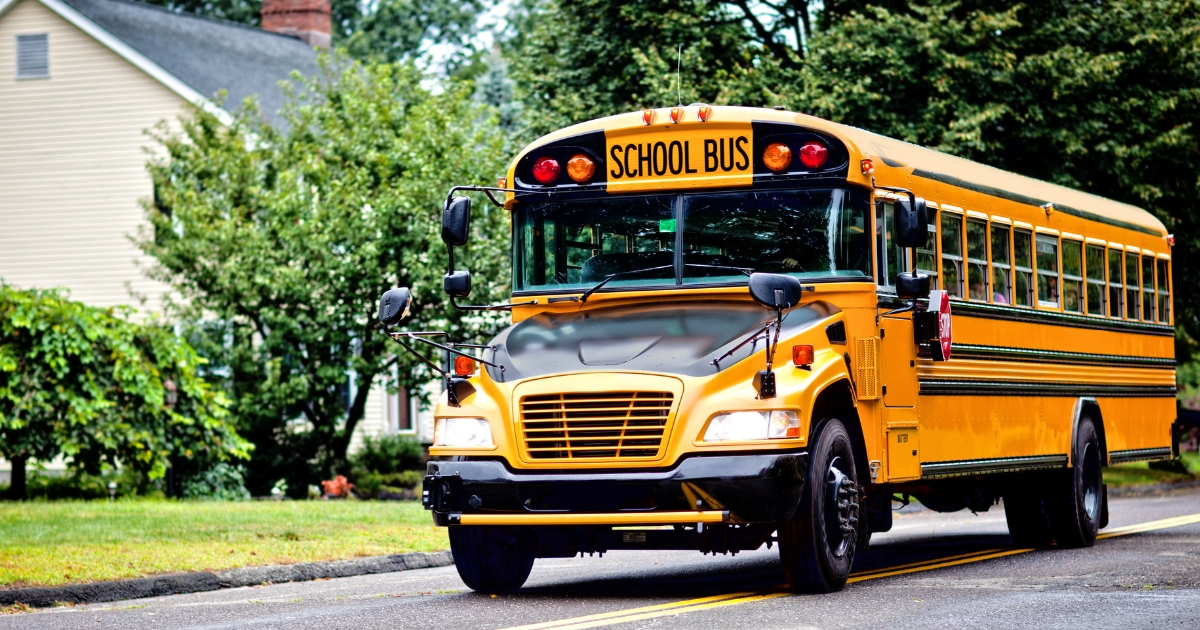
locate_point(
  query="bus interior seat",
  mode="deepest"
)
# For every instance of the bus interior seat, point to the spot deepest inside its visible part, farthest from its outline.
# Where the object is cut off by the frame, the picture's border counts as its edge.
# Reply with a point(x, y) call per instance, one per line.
point(601, 266)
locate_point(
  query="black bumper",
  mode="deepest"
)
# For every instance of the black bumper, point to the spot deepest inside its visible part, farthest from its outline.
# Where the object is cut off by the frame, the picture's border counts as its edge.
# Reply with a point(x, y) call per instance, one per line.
point(759, 488)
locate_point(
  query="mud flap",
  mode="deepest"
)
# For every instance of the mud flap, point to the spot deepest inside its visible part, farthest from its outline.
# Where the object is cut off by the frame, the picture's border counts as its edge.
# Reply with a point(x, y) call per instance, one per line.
point(1103, 505)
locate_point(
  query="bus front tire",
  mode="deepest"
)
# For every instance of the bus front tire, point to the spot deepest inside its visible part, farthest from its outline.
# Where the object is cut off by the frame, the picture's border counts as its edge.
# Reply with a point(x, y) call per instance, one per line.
point(1076, 511)
point(816, 547)
point(493, 559)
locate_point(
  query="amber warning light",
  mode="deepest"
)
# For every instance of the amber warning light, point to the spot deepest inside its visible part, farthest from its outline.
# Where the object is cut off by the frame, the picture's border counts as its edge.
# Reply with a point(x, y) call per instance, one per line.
point(802, 355)
point(464, 366)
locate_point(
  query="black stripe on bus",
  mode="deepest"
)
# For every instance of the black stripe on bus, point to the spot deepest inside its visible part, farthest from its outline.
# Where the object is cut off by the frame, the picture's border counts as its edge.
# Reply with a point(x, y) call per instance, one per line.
point(1029, 315)
point(1139, 454)
point(1033, 388)
point(992, 191)
point(1031, 355)
point(962, 467)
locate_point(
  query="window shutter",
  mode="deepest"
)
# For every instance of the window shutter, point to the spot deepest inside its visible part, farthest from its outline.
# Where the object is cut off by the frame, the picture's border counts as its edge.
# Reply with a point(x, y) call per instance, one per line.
point(33, 56)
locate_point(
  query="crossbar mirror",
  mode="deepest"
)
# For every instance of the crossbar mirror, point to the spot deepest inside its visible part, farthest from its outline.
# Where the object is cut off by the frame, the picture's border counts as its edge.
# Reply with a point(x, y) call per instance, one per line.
point(912, 222)
point(394, 306)
point(456, 221)
point(775, 290)
point(457, 284)
point(912, 285)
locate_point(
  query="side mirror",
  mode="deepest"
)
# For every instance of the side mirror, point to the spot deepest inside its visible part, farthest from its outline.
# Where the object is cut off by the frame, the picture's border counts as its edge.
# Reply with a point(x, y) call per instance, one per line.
point(912, 221)
point(775, 290)
point(456, 221)
point(457, 284)
point(912, 285)
point(394, 306)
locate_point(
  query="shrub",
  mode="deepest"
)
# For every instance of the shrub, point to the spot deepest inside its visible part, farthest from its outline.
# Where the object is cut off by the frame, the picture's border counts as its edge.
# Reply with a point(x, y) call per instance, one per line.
point(388, 454)
point(221, 482)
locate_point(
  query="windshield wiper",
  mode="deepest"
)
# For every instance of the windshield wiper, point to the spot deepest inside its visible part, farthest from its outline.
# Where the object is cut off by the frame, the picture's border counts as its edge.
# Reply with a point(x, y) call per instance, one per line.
point(586, 294)
point(745, 271)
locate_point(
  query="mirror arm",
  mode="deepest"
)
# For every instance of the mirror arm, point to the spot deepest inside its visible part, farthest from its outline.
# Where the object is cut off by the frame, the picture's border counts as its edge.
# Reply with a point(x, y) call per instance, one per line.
point(912, 198)
point(421, 337)
point(486, 190)
point(490, 307)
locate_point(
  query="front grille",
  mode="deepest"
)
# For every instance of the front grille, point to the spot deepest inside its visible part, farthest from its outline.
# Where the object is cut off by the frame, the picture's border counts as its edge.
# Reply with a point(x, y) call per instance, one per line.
point(590, 425)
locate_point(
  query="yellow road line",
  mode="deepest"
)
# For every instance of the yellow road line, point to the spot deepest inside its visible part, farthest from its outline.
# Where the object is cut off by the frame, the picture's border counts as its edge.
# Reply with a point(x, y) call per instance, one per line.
point(733, 599)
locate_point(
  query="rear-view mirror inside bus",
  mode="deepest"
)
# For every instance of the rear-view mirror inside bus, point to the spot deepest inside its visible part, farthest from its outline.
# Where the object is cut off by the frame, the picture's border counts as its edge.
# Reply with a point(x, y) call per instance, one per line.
point(912, 220)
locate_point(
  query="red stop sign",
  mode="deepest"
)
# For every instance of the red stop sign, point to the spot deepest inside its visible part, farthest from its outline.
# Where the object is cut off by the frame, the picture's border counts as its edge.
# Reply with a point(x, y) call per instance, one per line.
point(939, 301)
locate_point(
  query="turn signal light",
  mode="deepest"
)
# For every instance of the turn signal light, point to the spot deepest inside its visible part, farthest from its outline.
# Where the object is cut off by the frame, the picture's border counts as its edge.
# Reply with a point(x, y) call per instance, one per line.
point(802, 355)
point(704, 112)
point(580, 168)
point(777, 156)
point(545, 170)
point(502, 182)
point(647, 116)
point(814, 155)
point(464, 366)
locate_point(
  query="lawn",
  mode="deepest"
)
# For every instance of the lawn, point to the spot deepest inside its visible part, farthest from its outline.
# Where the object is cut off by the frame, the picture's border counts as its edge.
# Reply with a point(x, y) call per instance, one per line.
point(45, 543)
point(1140, 473)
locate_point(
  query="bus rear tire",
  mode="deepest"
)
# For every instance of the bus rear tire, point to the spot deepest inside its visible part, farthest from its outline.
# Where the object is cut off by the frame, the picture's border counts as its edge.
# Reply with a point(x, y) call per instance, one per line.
point(493, 559)
point(1076, 510)
point(817, 546)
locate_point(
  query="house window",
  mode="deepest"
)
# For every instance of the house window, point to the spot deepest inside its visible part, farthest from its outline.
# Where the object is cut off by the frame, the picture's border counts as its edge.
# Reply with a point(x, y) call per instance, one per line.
point(952, 259)
point(1131, 286)
point(33, 56)
point(1095, 280)
point(1001, 267)
point(1164, 292)
point(1072, 262)
point(1023, 262)
point(1116, 290)
point(1047, 270)
point(977, 282)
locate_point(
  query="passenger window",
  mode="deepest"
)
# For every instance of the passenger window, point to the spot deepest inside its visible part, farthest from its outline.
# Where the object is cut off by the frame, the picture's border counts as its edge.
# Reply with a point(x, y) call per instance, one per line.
point(1164, 292)
point(1095, 280)
point(1023, 262)
point(891, 258)
point(977, 260)
point(1072, 262)
point(1131, 286)
point(1116, 289)
point(952, 259)
point(1148, 288)
point(1047, 270)
point(1001, 265)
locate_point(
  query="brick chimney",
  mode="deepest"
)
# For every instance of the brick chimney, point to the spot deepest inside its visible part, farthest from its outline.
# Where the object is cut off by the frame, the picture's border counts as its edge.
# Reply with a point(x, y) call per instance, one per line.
point(306, 19)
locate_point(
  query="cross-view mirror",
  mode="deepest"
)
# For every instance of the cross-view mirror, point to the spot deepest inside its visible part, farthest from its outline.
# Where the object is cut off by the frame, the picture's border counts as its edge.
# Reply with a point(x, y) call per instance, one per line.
point(456, 221)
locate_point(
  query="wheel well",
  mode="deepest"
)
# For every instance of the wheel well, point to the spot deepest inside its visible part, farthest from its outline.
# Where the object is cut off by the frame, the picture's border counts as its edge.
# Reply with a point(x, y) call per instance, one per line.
point(1091, 408)
point(837, 401)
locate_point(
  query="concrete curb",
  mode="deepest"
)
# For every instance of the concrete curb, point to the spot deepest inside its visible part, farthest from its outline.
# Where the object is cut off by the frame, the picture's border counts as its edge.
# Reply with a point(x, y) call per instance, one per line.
point(120, 590)
point(1153, 490)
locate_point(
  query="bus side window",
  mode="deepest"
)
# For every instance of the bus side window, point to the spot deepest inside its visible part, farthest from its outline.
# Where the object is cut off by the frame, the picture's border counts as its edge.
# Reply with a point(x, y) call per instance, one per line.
point(927, 256)
point(1148, 288)
point(1047, 270)
point(1095, 280)
point(1164, 292)
point(1023, 262)
point(1131, 286)
point(1116, 290)
point(977, 260)
point(1072, 262)
point(1001, 265)
point(952, 259)
point(891, 260)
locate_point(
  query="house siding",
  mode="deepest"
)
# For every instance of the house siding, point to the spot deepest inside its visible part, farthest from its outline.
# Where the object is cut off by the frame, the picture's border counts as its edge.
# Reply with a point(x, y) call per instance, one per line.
point(73, 153)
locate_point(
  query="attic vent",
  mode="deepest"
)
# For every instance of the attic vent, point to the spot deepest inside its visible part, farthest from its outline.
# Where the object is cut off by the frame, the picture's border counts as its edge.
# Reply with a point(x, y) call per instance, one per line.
point(33, 56)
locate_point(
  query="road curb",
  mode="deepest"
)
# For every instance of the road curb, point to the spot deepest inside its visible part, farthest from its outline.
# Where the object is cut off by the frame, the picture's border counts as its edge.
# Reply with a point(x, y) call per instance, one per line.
point(158, 586)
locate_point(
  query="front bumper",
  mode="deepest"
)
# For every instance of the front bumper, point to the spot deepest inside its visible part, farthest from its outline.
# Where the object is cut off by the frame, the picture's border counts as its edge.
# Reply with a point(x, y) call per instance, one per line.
point(757, 488)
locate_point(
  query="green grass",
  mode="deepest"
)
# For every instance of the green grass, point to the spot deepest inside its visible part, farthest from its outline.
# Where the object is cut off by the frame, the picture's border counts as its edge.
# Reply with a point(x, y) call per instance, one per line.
point(1140, 473)
point(45, 543)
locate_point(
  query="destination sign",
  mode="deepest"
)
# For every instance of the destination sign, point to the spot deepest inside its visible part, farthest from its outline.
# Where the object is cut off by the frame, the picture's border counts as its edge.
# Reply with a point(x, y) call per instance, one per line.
point(701, 155)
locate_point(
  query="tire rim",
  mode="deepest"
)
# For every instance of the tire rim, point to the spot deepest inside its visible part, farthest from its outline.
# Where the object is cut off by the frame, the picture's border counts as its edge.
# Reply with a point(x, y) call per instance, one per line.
point(1091, 481)
point(841, 509)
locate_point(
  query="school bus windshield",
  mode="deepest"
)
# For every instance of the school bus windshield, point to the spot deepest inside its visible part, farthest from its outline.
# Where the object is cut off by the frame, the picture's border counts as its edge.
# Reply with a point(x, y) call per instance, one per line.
point(694, 239)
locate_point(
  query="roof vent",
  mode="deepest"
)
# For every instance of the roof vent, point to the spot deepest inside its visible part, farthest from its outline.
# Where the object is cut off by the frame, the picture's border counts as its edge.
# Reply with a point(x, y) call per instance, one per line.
point(308, 20)
point(33, 56)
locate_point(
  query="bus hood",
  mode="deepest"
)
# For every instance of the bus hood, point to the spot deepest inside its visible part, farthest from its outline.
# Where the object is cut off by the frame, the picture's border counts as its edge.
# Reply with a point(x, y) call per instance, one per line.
point(669, 337)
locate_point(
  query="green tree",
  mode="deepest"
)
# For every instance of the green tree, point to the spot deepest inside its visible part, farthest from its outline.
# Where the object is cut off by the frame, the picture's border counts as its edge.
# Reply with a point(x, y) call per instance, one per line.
point(89, 384)
point(282, 243)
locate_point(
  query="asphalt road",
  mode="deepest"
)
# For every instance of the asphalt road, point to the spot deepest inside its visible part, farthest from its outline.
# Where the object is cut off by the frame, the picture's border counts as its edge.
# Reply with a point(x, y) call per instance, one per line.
point(1130, 579)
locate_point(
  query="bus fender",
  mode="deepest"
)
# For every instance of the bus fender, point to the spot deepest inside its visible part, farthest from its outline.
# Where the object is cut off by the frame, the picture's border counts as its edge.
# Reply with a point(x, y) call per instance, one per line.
point(1088, 406)
point(835, 399)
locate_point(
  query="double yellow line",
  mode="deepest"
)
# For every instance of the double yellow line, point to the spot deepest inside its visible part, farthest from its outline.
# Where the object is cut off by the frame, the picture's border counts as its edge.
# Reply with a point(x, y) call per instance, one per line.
point(733, 599)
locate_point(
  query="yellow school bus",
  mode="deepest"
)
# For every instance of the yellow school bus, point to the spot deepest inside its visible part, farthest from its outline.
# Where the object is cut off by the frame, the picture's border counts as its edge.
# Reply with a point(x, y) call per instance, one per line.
point(736, 326)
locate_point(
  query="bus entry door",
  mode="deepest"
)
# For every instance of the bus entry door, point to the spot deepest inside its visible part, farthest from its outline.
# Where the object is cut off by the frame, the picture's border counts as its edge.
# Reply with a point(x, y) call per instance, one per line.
point(898, 373)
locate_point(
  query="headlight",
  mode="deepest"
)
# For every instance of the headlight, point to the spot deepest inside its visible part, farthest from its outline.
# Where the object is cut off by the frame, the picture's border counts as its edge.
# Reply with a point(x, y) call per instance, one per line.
point(462, 432)
point(753, 425)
